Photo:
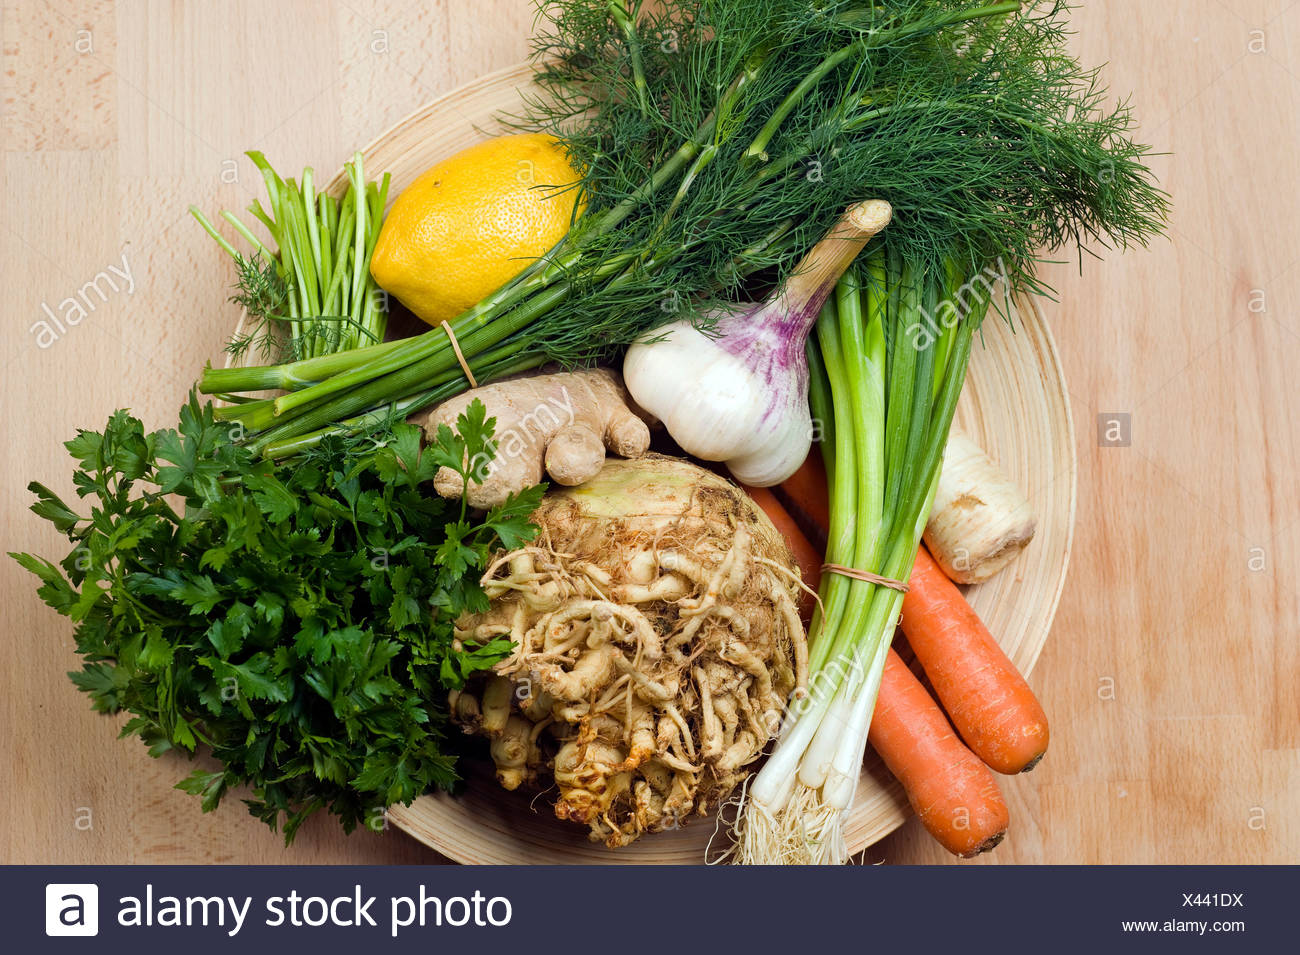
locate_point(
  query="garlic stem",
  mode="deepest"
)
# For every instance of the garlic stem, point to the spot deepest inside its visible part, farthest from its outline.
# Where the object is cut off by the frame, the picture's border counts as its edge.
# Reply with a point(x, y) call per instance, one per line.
point(826, 261)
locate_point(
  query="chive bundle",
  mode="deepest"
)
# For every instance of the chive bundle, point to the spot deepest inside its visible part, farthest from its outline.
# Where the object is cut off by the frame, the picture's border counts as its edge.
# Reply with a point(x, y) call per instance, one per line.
point(313, 295)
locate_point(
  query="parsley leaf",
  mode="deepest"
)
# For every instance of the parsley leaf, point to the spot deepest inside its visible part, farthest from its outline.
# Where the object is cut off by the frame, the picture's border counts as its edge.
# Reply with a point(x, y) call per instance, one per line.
point(295, 620)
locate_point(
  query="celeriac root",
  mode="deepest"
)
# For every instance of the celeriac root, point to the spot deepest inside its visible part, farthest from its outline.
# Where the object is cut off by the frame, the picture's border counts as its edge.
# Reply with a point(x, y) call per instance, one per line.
point(659, 650)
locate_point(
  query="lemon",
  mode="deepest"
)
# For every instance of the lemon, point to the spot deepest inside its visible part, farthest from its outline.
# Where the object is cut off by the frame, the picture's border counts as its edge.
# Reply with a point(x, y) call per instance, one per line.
point(473, 222)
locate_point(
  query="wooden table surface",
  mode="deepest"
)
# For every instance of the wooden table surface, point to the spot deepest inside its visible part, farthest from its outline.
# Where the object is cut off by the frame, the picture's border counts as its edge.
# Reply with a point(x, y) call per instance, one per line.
point(1172, 675)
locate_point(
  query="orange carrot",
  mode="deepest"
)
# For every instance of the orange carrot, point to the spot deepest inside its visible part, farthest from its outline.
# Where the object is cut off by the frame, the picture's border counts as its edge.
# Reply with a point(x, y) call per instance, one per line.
point(989, 702)
point(806, 555)
point(805, 493)
point(953, 793)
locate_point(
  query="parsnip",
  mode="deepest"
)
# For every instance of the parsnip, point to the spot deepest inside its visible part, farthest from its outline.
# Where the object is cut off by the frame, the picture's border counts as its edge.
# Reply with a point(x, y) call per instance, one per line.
point(981, 519)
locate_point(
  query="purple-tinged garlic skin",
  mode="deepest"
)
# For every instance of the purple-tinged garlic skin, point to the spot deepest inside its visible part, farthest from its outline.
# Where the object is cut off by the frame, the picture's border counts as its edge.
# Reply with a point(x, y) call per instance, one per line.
point(740, 394)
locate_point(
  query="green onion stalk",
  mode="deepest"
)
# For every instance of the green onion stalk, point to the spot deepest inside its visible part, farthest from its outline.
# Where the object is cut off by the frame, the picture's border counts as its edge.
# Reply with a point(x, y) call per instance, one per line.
point(312, 293)
point(718, 140)
point(887, 362)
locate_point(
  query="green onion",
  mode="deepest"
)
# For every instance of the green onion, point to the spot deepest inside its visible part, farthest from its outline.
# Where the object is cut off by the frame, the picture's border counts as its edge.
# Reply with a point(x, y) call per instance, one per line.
point(316, 284)
point(890, 395)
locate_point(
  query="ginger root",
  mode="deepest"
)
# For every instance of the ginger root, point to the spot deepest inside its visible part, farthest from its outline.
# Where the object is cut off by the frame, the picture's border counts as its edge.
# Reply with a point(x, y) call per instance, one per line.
point(558, 425)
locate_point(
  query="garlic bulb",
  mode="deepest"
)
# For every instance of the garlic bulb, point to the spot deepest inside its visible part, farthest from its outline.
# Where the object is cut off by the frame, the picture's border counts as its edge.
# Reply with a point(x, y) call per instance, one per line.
point(740, 394)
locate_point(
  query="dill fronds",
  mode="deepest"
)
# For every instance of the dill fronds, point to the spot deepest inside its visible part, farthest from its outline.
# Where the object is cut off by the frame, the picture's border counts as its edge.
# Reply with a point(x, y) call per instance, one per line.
point(720, 138)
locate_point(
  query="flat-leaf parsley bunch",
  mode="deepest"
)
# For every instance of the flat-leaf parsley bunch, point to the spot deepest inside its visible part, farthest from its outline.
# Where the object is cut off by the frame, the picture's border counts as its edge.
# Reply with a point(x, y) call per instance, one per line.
point(296, 620)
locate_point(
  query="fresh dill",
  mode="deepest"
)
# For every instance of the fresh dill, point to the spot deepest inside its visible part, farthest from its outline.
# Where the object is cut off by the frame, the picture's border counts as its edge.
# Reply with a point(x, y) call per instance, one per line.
point(262, 294)
point(720, 138)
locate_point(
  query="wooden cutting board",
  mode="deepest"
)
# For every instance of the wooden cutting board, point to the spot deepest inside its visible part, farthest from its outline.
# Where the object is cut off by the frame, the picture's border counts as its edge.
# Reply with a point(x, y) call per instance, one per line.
point(1172, 676)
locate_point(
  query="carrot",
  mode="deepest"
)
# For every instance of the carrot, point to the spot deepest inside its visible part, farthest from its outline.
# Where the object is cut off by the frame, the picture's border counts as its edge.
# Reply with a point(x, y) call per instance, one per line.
point(953, 793)
point(805, 493)
point(989, 702)
point(806, 555)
